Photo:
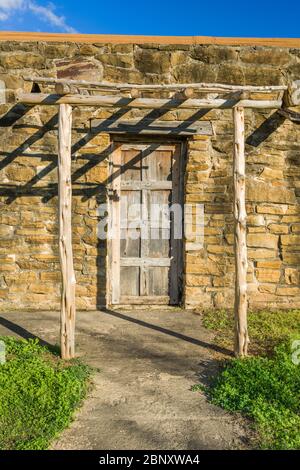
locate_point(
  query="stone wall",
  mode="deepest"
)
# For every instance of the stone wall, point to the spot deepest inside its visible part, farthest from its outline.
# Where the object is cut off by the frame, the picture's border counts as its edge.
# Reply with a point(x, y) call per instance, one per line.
point(29, 264)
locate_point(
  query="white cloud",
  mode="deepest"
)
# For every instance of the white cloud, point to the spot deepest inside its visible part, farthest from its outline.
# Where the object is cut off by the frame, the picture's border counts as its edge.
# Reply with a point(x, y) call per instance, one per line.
point(10, 4)
point(3, 16)
point(45, 13)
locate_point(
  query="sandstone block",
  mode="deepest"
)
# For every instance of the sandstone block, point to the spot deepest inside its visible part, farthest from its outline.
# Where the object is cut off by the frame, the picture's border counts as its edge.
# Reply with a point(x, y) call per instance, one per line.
point(43, 288)
point(290, 239)
point(152, 61)
point(6, 230)
point(80, 68)
point(261, 253)
point(18, 60)
point(251, 55)
point(290, 258)
point(19, 173)
point(214, 54)
point(272, 173)
point(262, 240)
point(4, 268)
point(292, 276)
point(256, 229)
point(295, 228)
point(51, 276)
point(267, 288)
point(260, 191)
point(267, 275)
point(194, 280)
point(195, 73)
point(255, 219)
point(272, 264)
point(279, 228)
point(287, 291)
point(116, 60)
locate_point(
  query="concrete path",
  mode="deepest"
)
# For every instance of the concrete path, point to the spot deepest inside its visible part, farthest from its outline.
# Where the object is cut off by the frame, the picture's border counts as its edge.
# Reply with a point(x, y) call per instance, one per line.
point(146, 364)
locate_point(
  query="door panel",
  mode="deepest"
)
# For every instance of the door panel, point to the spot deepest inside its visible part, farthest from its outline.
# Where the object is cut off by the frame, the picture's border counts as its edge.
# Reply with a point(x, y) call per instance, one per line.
point(145, 257)
point(158, 281)
point(130, 280)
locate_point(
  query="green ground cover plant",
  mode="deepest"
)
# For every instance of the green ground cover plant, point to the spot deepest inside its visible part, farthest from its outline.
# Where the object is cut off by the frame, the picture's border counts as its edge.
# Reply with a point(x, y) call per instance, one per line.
point(39, 394)
point(264, 387)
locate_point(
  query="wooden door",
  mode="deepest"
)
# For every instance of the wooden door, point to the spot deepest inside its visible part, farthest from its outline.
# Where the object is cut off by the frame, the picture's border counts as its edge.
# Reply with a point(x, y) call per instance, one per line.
point(145, 250)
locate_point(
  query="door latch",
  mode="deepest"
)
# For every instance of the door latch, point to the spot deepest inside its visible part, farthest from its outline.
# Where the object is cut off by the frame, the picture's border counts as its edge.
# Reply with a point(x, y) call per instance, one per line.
point(113, 194)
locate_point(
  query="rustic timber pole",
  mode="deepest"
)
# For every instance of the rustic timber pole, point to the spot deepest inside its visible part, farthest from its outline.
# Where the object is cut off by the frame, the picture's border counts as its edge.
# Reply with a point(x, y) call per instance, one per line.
point(67, 314)
point(175, 86)
point(114, 101)
point(240, 301)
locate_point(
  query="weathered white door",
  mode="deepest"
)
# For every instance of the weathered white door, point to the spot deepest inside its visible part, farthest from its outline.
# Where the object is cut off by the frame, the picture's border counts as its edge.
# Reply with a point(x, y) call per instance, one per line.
point(146, 222)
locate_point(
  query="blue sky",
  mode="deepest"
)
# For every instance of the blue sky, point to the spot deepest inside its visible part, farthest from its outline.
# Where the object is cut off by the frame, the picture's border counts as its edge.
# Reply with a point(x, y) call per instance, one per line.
point(263, 18)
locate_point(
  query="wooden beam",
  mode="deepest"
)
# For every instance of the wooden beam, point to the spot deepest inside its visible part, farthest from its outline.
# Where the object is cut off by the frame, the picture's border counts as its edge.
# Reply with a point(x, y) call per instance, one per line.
point(189, 92)
point(289, 114)
point(292, 94)
point(145, 103)
point(67, 314)
point(149, 126)
point(240, 302)
point(135, 93)
point(62, 88)
point(170, 86)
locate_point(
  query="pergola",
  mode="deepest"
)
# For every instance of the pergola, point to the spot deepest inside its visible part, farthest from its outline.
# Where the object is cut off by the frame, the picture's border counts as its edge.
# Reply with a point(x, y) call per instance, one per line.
point(69, 93)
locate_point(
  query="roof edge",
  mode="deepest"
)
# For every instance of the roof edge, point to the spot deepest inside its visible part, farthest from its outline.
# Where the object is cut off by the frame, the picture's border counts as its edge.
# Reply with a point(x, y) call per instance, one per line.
point(132, 39)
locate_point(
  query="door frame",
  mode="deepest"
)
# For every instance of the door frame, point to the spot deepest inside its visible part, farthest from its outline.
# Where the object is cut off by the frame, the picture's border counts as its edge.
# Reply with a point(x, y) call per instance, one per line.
point(113, 246)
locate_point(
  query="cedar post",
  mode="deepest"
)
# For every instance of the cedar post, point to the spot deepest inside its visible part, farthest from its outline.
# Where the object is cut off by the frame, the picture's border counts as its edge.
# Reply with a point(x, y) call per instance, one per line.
point(67, 314)
point(240, 302)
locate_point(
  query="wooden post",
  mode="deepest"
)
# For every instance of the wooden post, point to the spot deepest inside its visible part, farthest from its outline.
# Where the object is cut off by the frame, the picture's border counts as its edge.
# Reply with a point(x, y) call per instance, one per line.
point(67, 315)
point(240, 302)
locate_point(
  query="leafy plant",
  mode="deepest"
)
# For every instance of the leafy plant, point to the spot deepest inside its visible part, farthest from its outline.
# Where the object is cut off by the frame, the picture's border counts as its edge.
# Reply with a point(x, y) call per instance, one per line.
point(39, 393)
point(266, 390)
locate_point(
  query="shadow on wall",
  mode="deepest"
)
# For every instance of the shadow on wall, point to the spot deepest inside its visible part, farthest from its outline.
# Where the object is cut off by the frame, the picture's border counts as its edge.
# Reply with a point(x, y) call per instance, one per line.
point(86, 190)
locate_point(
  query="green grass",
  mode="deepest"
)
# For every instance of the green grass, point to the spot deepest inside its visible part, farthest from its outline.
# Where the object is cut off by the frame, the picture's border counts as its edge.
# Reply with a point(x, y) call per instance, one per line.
point(266, 386)
point(266, 329)
point(39, 393)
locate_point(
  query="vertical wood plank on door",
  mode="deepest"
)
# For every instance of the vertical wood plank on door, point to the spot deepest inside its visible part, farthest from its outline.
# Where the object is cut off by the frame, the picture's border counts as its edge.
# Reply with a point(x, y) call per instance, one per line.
point(67, 314)
point(145, 232)
point(176, 243)
point(116, 219)
point(160, 172)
